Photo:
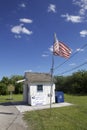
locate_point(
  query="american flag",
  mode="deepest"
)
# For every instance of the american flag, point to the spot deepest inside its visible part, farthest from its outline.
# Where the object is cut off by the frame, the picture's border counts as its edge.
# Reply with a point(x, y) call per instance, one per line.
point(60, 49)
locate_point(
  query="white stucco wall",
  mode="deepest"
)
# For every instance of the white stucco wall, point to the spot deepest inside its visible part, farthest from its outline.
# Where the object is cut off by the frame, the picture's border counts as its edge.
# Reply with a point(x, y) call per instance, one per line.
point(40, 98)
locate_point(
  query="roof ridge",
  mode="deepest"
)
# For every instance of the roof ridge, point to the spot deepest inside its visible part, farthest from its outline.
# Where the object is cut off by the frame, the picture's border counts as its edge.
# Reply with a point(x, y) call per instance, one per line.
point(38, 77)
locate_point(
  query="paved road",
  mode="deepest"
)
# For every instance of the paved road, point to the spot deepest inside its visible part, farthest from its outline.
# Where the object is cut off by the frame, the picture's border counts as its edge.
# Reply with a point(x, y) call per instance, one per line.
point(11, 118)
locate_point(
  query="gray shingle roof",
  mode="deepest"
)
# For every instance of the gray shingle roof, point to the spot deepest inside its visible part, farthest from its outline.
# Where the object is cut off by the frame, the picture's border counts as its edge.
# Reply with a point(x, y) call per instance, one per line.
point(37, 77)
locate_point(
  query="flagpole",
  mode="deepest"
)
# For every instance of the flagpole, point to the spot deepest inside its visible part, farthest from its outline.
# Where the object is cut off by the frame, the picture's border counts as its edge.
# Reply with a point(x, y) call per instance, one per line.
point(59, 49)
point(52, 68)
point(52, 71)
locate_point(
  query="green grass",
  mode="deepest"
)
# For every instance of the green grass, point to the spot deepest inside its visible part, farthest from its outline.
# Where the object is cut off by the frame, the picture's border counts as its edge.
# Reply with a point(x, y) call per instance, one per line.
point(15, 98)
point(65, 118)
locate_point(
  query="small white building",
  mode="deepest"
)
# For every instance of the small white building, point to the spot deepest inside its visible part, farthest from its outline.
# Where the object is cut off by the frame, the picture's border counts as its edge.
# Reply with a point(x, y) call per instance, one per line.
point(36, 90)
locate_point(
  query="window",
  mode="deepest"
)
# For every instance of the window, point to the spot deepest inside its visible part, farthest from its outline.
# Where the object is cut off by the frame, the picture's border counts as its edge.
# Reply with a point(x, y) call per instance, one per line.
point(39, 88)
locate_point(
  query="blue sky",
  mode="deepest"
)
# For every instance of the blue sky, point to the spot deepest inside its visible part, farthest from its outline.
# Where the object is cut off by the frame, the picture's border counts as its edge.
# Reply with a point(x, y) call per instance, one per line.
point(26, 35)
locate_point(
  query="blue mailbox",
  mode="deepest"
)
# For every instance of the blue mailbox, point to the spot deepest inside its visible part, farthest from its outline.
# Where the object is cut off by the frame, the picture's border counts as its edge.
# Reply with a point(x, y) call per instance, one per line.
point(59, 95)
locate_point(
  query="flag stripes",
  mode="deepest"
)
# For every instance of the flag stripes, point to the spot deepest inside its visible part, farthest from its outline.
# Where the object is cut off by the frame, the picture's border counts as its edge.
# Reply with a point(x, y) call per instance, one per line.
point(60, 49)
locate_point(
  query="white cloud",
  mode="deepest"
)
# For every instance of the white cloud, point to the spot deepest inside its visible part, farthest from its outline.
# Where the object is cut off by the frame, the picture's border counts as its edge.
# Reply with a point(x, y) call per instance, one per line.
point(26, 31)
point(20, 29)
point(81, 14)
point(73, 18)
point(51, 48)
point(72, 64)
point(79, 49)
point(83, 33)
point(52, 8)
point(25, 20)
point(45, 55)
point(16, 29)
point(17, 36)
point(27, 71)
point(22, 5)
point(82, 4)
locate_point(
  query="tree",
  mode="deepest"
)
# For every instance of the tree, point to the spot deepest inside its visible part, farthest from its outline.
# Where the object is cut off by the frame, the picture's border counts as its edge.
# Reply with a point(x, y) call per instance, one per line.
point(60, 82)
point(75, 84)
point(3, 89)
point(5, 82)
point(18, 86)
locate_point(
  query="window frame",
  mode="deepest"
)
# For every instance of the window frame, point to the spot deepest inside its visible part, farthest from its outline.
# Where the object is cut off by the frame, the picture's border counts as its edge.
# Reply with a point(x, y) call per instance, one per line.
point(39, 88)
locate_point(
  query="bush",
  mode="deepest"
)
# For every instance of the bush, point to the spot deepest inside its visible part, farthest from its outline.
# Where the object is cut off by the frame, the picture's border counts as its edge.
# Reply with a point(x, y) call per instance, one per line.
point(74, 84)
